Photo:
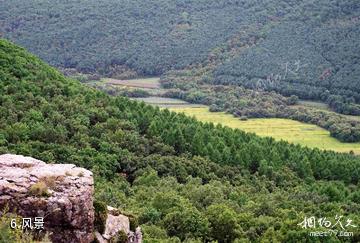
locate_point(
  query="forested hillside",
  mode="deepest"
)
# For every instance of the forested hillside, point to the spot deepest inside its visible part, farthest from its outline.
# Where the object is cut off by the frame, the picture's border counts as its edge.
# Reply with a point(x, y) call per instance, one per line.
point(300, 43)
point(315, 56)
point(148, 36)
point(307, 49)
point(183, 179)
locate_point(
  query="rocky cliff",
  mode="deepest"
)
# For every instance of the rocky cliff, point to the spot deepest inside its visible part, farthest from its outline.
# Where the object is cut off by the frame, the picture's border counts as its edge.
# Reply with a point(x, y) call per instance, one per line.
point(60, 195)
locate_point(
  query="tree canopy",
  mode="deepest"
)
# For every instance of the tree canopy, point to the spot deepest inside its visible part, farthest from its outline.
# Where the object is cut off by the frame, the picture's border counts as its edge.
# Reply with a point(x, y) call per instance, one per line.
point(184, 180)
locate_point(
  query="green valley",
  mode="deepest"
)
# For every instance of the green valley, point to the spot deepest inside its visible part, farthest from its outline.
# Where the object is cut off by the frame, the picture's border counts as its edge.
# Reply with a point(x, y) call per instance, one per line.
point(183, 180)
point(284, 49)
point(280, 129)
point(195, 121)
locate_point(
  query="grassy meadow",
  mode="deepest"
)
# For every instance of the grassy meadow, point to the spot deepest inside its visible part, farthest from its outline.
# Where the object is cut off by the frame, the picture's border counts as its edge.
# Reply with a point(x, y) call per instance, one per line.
point(286, 129)
point(313, 104)
point(167, 102)
point(150, 83)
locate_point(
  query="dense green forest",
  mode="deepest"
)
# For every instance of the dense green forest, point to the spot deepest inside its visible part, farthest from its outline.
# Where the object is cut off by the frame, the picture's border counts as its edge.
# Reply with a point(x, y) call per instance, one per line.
point(307, 48)
point(183, 179)
point(315, 59)
point(148, 36)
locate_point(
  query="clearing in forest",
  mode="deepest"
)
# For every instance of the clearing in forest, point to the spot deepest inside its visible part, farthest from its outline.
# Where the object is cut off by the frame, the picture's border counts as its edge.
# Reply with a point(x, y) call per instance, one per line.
point(147, 83)
point(289, 130)
point(167, 102)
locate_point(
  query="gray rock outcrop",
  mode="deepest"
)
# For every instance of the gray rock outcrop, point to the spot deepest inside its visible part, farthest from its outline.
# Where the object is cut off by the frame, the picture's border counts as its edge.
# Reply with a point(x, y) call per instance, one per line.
point(116, 222)
point(60, 193)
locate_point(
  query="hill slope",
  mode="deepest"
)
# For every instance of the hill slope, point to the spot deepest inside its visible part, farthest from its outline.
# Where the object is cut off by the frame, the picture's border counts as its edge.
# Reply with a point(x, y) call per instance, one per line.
point(317, 40)
point(182, 178)
point(148, 36)
point(305, 48)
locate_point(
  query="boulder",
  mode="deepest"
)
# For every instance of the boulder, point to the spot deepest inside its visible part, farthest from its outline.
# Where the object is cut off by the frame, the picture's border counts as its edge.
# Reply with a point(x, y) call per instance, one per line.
point(116, 222)
point(62, 194)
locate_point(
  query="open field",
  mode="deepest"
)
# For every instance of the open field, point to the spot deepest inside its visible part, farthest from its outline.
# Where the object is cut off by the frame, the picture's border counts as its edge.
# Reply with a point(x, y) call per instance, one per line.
point(148, 83)
point(286, 129)
point(324, 107)
point(314, 104)
point(167, 102)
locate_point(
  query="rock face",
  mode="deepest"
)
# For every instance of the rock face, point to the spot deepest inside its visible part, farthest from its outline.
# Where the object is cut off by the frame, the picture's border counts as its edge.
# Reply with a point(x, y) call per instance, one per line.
point(116, 222)
point(60, 193)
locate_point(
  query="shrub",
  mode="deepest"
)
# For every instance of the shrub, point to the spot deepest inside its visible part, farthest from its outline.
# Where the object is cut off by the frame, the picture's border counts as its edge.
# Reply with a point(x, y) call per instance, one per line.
point(121, 237)
point(100, 216)
point(39, 189)
point(134, 221)
point(214, 108)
